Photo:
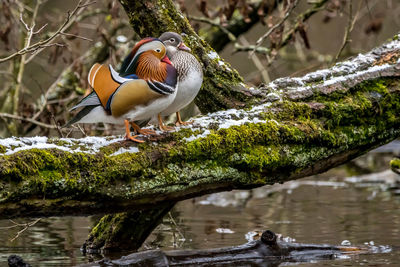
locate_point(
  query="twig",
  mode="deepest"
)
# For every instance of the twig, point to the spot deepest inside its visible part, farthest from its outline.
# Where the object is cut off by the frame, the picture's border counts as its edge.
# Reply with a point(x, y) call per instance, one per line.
point(16, 117)
point(25, 225)
point(301, 19)
point(80, 129)
point(349, 29)
point(230, 35)
point(273, 28)
point(40, 29)
point(57, 126)
point(45, 43)
point(248, 48)
point(176, 225)
point(18, 85)
point(23, 22)
point(76, 36)
point(257, 62)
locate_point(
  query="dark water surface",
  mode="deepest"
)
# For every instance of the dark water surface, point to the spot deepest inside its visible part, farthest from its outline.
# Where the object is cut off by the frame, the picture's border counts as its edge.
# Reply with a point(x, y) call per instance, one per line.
point(328, 208)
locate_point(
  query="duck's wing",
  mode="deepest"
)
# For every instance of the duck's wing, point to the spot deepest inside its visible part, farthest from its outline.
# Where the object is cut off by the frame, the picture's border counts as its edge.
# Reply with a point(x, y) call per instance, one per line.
point(135, 93)
point(81, 114)
point(104, 80)
point(90, 100)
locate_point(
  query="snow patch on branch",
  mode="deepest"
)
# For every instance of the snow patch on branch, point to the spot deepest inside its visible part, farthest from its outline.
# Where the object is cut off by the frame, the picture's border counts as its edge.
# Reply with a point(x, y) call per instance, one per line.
point(350, 72)
point(132, 149)
point(213, 55)
point(89, 144)
point(225, 119)
point(342, 76)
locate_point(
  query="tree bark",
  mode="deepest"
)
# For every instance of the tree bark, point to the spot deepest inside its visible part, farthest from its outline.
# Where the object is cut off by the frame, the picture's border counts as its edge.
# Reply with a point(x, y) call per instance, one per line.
point(124, 231)
point(300, 126)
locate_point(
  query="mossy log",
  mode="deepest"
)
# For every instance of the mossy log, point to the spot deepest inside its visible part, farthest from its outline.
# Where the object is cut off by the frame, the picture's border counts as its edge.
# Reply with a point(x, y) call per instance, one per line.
point(301, 126)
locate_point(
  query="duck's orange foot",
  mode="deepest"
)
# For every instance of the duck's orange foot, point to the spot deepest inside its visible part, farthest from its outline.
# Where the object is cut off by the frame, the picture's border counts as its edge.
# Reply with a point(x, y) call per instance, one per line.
point(180, 122)
point(166, 128)
point(147, 132)
point(133, 138)
point(183, 123)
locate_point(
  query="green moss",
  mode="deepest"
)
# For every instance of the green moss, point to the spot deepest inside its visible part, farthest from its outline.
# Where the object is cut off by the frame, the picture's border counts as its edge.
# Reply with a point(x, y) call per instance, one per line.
point(2, 149)
point(54, 172)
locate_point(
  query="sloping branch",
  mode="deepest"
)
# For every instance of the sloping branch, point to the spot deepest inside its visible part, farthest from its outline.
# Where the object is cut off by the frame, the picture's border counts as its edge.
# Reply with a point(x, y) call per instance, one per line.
point(299, 127)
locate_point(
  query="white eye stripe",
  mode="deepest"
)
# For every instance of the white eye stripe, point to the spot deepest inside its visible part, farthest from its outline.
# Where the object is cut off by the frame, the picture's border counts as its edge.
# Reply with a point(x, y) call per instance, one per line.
point(172, 40)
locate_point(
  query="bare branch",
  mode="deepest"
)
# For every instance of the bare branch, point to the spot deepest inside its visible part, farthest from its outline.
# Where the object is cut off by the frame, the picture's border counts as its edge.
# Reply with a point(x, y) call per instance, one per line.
point(27, 225)
point(41, 28)
point(76, 36)
point(349, 29)
point(248, 48)
point(16, 117)
point(23, 22)
point(230, 35)
point(268, 33)
point(71, 16)
point(257, 62)
point(16, 91)
point(15, 224)
point(301, 19)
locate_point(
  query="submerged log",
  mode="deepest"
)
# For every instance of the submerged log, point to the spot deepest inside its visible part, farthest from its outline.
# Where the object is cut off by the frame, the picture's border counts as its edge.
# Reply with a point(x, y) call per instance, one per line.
point(267, 251)
point(299, 127)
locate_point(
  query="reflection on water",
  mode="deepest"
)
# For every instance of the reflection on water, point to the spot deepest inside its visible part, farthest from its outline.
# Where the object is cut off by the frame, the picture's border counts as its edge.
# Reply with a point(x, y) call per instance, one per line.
point(50, 242)
point(327, 208)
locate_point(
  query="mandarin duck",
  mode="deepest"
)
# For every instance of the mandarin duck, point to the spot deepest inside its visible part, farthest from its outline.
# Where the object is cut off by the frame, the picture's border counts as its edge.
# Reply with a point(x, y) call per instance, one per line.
point(145, 86)
point(190, 74)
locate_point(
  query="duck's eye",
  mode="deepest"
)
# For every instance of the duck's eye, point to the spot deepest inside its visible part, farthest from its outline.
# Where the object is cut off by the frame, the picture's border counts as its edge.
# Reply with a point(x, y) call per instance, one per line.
point(172, 40)
point(158, 50)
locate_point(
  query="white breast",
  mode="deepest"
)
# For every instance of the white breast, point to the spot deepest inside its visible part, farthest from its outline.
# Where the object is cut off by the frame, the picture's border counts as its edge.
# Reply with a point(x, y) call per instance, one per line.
point(187, 90)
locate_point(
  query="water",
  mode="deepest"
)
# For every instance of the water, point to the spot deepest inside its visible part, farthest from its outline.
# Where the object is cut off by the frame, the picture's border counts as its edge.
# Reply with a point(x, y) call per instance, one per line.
point(328, 208)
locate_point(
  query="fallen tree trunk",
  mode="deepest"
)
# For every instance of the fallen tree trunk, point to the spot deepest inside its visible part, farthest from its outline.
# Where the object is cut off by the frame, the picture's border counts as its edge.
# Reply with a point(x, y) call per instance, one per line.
point(268, 251)
point(300, 126)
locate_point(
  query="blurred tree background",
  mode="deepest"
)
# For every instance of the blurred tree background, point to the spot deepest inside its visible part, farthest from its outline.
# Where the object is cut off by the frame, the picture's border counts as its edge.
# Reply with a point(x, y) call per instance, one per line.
point(47, 47)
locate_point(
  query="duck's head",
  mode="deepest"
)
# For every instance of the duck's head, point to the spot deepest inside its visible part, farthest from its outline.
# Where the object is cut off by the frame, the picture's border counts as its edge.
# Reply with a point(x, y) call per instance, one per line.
point(173, 42)
point(151, 47)
point(146, 50)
